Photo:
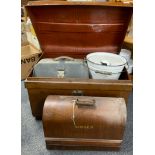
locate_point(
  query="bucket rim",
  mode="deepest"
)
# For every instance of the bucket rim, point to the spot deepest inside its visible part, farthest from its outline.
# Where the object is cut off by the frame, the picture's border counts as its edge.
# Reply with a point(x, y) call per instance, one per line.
point(107, 65)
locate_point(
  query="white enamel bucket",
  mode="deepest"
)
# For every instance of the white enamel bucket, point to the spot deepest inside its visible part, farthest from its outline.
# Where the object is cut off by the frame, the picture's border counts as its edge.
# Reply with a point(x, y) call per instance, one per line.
point(103, 65)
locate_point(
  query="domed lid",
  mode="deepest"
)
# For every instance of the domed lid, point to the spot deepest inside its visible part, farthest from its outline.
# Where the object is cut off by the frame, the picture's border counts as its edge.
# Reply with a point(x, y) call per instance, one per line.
point(76, 29)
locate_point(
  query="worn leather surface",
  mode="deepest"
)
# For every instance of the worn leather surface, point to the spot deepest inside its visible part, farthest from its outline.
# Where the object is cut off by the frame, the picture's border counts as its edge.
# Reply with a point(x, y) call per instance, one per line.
point(78, 29)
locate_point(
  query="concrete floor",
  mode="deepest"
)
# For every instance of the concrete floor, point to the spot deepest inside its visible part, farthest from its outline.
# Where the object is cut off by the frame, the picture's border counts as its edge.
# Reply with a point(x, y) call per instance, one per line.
point(32, 138)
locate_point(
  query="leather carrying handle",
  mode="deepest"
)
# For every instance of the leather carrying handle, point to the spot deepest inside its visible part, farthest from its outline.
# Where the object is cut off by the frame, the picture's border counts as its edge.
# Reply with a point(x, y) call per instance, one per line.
point(81, 102)
point(64, 57)
point(85, 102)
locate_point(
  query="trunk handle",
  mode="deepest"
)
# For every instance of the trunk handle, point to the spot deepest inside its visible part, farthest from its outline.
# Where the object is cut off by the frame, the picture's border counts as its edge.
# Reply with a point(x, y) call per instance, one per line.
point(82, 102)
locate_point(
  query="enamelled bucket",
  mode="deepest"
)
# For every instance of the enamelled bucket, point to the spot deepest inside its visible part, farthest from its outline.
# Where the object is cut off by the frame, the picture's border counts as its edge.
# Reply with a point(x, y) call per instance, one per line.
point(103, 65)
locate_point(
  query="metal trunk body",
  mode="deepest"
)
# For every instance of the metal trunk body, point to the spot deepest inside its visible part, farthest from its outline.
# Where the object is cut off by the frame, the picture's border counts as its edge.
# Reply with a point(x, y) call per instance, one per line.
point(76, 29)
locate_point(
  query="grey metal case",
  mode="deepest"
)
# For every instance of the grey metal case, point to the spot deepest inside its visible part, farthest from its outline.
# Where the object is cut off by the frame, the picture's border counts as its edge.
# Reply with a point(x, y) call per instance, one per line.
point(61, 67)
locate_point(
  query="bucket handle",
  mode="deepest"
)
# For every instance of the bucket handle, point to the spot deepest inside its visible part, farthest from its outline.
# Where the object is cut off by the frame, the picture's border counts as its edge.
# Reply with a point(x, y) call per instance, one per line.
point(108, 73)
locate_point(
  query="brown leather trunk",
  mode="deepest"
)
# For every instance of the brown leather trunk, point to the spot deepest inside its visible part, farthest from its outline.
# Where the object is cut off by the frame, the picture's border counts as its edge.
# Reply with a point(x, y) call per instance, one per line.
point(84, 122)
point(76, 29)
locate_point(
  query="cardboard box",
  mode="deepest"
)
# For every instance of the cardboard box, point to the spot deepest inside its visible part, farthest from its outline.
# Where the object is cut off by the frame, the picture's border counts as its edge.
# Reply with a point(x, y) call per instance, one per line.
point(29, 57)
point(24, 40)
point(32, 40)
point(31, 35)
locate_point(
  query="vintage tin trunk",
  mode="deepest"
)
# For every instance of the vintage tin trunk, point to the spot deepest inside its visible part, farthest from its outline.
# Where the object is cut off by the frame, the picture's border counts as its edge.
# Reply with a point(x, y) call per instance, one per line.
point(75, 29)
point(84, 122)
